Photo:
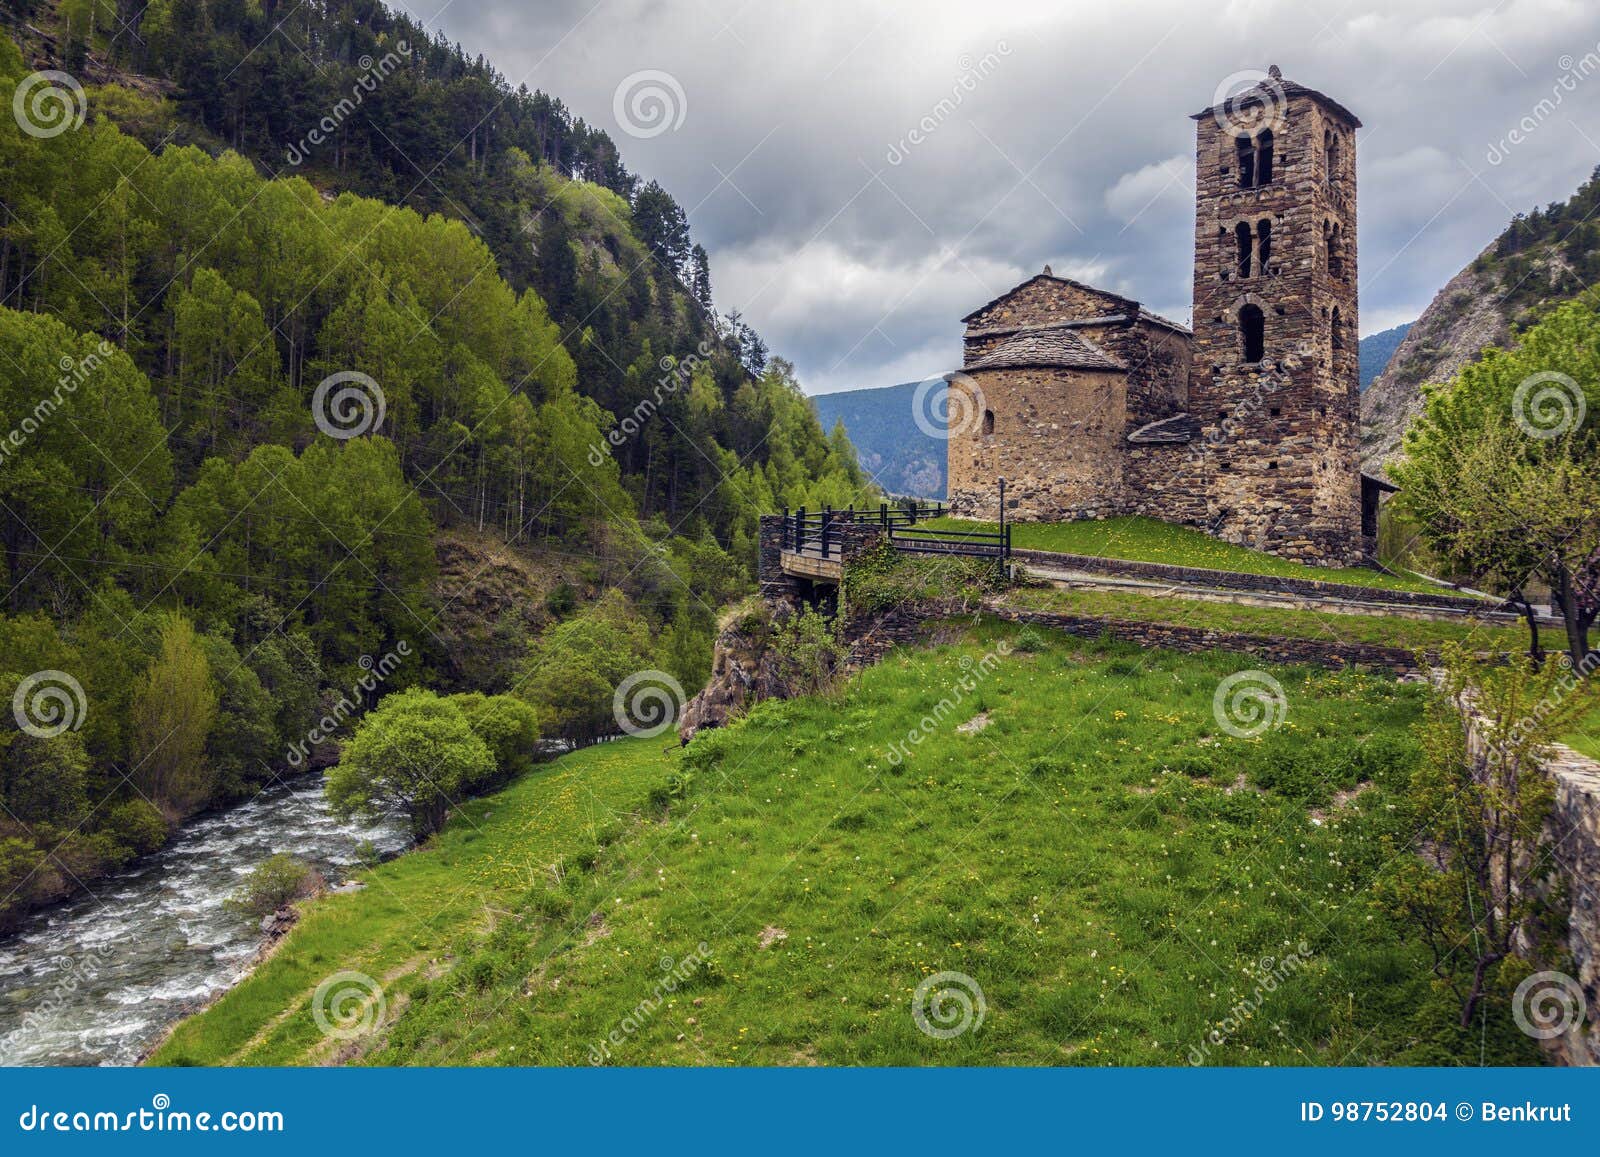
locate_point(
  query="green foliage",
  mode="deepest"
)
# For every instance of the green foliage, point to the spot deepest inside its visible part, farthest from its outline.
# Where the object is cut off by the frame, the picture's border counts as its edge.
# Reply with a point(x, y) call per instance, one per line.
point(137, 826)
point(883, 578)
point(174, 706)
point(507, 725)
point(415, 753)
point(1503, 477)
point(276, 881)
point(1111, 913)
point(574, 668)
point(809, 650)
point(1477, 812)
point(43, 780)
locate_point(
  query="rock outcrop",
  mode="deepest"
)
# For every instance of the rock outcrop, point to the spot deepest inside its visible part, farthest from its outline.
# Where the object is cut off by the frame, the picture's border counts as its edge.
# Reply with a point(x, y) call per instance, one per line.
point(1463, 318)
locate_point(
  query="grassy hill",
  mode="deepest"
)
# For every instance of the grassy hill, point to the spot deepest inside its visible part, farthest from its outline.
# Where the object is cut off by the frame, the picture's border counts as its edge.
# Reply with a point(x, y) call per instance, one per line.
point(1124, 881)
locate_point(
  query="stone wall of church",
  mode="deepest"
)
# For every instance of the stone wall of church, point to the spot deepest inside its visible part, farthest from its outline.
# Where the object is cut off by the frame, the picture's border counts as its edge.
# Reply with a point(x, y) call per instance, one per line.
point(1057, 440)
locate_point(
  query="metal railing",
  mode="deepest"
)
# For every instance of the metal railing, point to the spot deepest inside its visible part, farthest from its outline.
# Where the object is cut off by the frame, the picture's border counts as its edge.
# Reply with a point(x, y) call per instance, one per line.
point(819, 534)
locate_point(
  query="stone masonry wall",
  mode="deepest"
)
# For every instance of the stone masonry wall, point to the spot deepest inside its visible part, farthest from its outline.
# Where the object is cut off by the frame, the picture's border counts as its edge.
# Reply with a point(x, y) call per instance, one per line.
point(1286, 475)
point(1057, 441)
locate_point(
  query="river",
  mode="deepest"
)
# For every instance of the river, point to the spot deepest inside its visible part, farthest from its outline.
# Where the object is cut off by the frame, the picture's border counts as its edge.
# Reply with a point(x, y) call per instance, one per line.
point(97, 980)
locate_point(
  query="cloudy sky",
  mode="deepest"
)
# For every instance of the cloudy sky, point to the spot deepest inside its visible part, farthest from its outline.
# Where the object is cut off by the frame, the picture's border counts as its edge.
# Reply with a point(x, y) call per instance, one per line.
point(1056, 132)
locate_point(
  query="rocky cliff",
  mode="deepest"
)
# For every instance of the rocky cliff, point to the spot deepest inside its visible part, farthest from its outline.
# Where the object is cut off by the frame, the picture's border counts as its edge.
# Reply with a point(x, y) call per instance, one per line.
point(1543, 258)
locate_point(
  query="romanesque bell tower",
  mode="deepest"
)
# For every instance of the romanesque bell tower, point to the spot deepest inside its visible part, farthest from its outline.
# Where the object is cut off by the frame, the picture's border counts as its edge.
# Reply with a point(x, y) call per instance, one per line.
point(1275, 385)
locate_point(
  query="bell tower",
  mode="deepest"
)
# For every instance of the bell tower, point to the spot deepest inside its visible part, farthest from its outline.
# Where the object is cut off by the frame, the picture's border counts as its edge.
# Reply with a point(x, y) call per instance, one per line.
point(1275, 385)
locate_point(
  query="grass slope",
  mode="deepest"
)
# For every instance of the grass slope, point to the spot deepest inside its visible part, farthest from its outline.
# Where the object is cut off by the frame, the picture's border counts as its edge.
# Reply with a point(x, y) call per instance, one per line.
point(1113, 870)
point(1146, 540)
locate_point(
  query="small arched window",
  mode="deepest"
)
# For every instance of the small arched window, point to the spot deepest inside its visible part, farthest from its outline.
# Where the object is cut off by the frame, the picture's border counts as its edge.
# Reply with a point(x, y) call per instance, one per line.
point(1264, 157)
point(1336, 329)
point(1241, 237)
point(1252, 333)
point(1264, 244)
point(1330, 156)
point(1244, 151)
point(988, 422)
point(1336, 251)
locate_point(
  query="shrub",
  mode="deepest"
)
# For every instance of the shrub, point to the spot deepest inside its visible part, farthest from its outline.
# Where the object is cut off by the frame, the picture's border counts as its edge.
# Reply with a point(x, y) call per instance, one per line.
point(137, 825)
point(415, 753)
point(276, 881)
point(507, 725)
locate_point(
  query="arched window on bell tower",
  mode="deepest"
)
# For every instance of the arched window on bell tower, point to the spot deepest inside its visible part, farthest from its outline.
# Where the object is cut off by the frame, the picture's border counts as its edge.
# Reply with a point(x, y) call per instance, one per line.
point(1330, 156)
point(1263, 244)
point(1244, 151)
point(1241, 237)
point(988, 422)
point(1264, 157)
point(1252, 332)
point(1336, 330)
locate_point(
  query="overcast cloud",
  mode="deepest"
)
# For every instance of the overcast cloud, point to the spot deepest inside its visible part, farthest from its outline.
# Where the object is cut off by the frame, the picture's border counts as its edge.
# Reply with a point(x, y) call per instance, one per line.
point(1063, 138)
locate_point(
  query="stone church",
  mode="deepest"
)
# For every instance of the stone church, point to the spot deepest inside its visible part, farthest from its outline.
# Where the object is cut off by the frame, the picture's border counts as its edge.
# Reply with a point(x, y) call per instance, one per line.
point(1246, 426)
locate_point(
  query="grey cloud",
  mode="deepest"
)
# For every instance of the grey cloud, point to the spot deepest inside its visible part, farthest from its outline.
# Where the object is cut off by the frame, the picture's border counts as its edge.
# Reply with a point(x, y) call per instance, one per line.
point(1073, 147)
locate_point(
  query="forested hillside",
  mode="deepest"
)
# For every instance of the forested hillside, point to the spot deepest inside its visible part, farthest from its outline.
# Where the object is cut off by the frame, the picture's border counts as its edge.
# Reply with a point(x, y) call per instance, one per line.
point(268, 439)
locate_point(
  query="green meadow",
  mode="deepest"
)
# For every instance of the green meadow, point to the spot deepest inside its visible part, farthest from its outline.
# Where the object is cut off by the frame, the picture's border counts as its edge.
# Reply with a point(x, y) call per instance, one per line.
point(1053, 846)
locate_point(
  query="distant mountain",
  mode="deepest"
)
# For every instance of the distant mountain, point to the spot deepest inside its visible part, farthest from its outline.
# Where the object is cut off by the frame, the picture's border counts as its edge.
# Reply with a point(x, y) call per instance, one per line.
point(1377, 349)
point(1542, 259)
point(888, 442)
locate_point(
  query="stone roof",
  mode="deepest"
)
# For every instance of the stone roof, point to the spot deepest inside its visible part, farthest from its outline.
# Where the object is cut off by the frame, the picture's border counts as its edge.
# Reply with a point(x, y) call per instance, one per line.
point(1178, 428)
point(1272, 86)
point(1100, 319)
point(1047, 347)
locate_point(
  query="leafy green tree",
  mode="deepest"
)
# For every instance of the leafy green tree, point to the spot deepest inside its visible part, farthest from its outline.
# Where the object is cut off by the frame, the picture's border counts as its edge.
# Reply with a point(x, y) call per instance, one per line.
point(43, 780)
point(574, 668)
point(508, 725)
point(1502, 469)
point(174, 707)
point(415, 753)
